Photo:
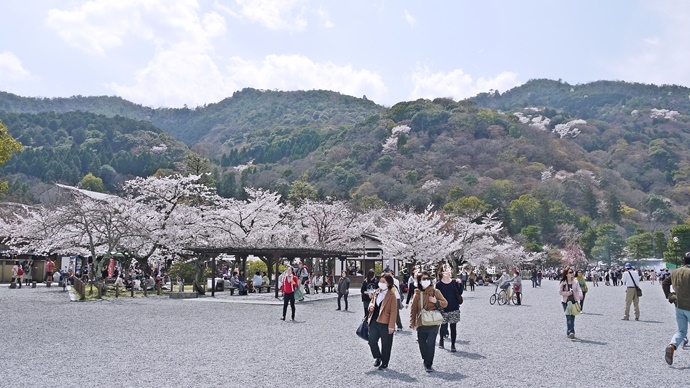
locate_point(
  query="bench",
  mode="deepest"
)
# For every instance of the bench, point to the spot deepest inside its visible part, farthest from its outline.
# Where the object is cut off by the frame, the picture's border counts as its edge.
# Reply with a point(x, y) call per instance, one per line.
point(231, 289)
point(267, 287)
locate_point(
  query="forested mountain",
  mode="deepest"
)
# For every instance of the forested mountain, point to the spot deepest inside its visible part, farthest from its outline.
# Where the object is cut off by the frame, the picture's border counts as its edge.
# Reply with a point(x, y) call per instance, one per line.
point(604, 154)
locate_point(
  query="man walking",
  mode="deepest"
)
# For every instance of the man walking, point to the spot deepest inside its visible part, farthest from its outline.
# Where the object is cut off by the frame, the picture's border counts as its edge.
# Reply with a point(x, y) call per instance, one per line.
point(680, 280)
point(629, 280)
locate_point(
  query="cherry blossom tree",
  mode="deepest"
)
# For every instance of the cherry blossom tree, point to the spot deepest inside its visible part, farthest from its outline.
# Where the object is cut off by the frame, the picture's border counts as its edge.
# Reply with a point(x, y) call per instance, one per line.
point(417, 238)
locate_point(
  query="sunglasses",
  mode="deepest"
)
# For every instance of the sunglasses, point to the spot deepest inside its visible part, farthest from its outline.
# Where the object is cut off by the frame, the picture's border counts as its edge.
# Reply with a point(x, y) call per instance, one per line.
point(570, 272)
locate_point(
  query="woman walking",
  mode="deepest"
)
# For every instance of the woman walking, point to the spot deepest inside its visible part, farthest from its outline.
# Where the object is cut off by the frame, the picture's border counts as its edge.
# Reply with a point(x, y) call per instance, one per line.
point(290, 284)
point(369, 286)
point(343, 288)
point(383, 310)
point(582, 282)
point(428, 298)
point(570, 292)
point(451, 290)
point(17, 273)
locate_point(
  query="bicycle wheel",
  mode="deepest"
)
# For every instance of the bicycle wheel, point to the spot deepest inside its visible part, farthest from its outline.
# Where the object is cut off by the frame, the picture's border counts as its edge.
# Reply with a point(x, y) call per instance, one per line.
point(514, 298)
point(492, 299)
point(502, 298)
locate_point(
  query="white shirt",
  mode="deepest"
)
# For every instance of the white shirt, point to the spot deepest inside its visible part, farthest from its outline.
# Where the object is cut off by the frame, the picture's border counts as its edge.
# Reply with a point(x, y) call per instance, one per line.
point(628, 280)
point(381, 295)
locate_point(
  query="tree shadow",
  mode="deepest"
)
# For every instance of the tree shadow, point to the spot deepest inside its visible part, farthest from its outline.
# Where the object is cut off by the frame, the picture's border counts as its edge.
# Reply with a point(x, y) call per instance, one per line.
point(462, 342)
point(391, 374)
point(596, 314)
point(650, 321)
point(584, 341)
point(472, 356)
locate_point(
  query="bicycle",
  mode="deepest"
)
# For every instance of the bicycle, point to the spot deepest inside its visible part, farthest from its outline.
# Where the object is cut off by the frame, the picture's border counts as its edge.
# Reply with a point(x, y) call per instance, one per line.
point(500, 296)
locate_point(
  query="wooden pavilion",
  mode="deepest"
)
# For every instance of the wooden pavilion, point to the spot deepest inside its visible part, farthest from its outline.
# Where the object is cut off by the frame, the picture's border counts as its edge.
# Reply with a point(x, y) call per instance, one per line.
point(272, 256)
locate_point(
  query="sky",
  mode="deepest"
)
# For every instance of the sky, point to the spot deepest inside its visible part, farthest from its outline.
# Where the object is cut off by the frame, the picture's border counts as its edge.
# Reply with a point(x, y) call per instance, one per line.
point(172, 53)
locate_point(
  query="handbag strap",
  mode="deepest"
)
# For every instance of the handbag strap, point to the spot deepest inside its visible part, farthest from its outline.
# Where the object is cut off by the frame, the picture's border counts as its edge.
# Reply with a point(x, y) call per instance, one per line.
point(633, 280)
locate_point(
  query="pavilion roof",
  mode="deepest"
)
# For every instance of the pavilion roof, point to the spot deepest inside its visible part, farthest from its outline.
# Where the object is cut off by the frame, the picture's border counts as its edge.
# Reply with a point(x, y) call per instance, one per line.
point(274, 251)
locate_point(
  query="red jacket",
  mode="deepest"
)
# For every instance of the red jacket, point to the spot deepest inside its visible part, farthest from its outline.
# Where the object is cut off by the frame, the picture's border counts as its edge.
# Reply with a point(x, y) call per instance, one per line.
point(289, 284)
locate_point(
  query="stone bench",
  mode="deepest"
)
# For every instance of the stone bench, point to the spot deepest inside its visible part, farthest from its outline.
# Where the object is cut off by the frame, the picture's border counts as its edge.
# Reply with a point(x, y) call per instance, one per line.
point(183, 295)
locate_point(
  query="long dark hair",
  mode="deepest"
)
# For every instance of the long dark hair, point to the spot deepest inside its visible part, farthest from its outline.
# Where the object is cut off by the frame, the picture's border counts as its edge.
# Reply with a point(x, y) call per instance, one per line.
point(371, 274)
point(389, 279)
point(564, 276)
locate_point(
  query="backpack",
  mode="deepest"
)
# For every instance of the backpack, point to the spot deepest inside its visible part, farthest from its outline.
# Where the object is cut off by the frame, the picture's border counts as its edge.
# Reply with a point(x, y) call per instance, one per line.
point(20, 271)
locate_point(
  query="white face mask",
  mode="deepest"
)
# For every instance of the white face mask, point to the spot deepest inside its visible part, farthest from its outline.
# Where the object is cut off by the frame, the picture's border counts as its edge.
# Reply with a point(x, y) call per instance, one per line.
point(383, 286)
point(426, 283)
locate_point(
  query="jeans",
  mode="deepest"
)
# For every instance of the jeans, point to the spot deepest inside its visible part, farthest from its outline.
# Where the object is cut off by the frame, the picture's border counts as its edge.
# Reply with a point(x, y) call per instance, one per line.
point(380, 331)
point(682, 319)
point(534, 282)
point(289, 298)
point(426, 339)
point(569, 320)
point(339, 296)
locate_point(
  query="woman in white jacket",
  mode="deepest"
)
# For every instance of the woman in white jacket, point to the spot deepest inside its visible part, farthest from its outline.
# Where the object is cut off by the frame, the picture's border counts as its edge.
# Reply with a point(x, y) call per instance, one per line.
point(569, 289)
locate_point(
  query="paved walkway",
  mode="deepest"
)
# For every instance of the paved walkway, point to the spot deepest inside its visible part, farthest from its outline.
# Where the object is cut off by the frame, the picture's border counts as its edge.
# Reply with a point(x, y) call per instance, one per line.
point(157, 341)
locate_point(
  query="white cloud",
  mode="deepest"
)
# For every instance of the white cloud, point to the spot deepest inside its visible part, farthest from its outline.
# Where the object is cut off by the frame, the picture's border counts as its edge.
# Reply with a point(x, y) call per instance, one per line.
point(457, 84)
point(297, 72)
point(185, 67)
point(273, 14)
point(175, 79)
point(410, 19)
point(11, 68)
point(98, 25)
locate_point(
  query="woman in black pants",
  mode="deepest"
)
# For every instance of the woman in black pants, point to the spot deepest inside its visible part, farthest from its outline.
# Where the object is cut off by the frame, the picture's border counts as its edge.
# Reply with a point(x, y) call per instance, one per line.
point(383, 311)
point(369, 286)
point(290, 284)
point(429, 298)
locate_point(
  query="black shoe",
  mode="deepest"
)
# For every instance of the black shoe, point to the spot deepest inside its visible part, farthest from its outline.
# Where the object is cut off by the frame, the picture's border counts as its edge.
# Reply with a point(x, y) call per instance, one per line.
point(668, 354)
point(440, 344)
point(337, 309)
point(292, 319)
point(282, 318)
point(452, 349)
point(377, 362)
point(383, 366)
point(428, 369)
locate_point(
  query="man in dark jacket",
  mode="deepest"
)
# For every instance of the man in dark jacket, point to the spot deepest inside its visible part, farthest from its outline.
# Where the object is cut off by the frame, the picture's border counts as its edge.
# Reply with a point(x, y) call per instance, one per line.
point(680, 280)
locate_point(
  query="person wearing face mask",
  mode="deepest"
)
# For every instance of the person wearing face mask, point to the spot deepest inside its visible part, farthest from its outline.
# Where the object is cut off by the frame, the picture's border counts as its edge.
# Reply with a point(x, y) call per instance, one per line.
point(431, 299)
point(383, 310)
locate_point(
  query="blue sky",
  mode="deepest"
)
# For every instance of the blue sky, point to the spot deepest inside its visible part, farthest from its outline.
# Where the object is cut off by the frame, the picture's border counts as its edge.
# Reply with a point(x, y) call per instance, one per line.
point(176, 52)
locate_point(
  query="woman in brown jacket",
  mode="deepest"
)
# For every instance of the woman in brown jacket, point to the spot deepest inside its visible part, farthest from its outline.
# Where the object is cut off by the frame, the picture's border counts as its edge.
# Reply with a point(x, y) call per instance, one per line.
point(432, 299)
point(383, 310)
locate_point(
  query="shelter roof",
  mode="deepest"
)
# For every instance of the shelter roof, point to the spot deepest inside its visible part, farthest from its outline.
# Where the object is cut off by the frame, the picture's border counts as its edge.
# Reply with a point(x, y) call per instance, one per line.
point(283, 252)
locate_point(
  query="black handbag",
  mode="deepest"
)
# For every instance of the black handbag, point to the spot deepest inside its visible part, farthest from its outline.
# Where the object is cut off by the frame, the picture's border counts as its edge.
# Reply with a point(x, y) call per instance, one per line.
point(363, 330)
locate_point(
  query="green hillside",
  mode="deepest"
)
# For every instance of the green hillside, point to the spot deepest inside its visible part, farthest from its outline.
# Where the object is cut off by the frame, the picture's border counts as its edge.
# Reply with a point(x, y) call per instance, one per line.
point(543, 154)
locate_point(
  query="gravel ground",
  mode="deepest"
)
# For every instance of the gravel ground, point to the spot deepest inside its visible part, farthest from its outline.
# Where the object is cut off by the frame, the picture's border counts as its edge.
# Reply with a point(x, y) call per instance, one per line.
point(156, 341)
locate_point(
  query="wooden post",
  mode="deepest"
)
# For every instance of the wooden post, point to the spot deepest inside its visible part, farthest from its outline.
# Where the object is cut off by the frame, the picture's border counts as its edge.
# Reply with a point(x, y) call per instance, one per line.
point(276, 257)
point(213, 277)
point(117, 291)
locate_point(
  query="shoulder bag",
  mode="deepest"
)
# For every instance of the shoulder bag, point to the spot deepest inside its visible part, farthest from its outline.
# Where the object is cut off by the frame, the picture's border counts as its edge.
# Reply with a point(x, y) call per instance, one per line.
point(457, 292)
point(429, 317)
point(363, 330)
point(638, 289)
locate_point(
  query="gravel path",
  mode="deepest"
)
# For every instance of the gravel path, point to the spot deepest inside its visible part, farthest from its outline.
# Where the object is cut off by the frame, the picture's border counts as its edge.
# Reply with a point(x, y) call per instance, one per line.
point(156, 342)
